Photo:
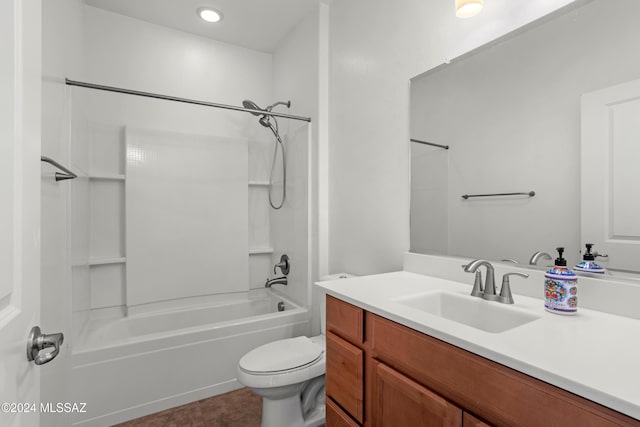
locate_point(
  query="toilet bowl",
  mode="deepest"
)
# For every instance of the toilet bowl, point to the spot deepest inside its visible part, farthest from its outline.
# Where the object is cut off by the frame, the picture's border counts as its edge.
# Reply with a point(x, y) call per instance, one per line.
point(289, 376)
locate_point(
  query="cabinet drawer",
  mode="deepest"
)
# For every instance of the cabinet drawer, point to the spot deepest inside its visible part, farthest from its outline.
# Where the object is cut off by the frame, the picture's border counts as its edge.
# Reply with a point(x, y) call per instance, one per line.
point(336, 417)
point(345, 366)
point(345, 320)
point(498, 394)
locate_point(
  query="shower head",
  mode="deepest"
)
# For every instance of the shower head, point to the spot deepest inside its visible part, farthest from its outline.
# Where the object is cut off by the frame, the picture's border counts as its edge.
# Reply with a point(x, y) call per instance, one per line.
point(252, 105)
point(264, 121)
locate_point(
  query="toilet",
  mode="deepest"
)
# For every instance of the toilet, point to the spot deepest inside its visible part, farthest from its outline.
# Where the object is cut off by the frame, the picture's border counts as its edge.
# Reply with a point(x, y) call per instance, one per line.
point(289, 375)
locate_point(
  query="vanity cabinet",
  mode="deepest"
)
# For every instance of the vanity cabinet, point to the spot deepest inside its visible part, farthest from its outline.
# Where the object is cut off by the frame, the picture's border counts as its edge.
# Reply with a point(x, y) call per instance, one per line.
point(383, 374)
point(345, 362)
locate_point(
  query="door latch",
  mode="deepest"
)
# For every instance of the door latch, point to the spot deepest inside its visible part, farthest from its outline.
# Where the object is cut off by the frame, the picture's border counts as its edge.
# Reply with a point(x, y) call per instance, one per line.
point(39, 341)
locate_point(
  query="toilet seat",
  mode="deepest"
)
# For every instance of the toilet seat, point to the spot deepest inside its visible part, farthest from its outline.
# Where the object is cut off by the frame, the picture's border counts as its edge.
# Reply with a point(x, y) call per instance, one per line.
point(280, 356)
point(283, 362)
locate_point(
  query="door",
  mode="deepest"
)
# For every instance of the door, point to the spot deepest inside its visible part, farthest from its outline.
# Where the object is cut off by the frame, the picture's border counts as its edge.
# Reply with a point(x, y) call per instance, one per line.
point(20, 208)
point(400, 401)
point(610, 174)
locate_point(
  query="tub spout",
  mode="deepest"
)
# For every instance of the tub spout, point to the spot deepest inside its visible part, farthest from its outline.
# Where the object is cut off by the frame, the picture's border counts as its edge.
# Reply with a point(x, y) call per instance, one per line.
point(277, 281)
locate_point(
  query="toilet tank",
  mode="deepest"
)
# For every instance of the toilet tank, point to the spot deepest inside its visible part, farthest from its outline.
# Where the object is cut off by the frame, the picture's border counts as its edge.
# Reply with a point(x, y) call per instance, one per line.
point(323, 300)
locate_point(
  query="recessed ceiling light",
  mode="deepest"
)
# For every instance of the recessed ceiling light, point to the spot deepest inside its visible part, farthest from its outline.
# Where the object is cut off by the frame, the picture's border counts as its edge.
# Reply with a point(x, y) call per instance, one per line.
point(209, 14)
point(468, 8)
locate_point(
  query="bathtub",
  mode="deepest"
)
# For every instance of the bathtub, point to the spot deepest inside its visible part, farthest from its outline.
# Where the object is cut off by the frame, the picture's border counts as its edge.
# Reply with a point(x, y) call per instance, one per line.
point(132, 366)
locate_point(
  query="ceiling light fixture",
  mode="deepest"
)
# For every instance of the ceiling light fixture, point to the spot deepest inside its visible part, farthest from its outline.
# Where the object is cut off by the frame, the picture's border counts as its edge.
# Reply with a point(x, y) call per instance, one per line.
point(209, 14)
point(468, 8)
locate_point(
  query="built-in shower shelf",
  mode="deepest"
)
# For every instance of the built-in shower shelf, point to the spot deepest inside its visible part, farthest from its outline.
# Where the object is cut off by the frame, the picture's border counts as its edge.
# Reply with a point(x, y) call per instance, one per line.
point(108, 177)
point(258, 183)
point(107, 260)
point(260, 251)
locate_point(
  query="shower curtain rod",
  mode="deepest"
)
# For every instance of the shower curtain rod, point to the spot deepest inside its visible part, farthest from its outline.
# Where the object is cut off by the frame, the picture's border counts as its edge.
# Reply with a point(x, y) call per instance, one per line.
point(185, 100)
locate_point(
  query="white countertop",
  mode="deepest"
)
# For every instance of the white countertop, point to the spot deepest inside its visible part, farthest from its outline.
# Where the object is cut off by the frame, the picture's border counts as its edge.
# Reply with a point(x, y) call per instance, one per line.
point(593, 354)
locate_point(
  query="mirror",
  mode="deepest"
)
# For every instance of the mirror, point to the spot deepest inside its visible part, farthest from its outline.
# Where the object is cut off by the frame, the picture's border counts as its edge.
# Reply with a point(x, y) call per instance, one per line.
point(510, 113)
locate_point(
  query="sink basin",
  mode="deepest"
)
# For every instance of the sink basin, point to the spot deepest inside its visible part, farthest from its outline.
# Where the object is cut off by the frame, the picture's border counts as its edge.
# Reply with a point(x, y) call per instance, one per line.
point(488, 316)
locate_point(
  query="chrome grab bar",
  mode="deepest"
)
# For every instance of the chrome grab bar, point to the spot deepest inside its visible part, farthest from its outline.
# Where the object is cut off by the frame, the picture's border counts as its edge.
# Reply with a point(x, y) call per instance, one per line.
point(59, 176)
point(530, 194)
point(433, 144)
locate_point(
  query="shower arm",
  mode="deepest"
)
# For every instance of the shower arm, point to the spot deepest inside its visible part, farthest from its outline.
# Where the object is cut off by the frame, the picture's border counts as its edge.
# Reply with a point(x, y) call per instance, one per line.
point(287, 103)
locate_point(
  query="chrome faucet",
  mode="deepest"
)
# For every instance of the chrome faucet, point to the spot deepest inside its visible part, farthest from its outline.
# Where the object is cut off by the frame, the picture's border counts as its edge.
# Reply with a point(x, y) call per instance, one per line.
point(277, 281)
point(537, 255)
point(489, 291)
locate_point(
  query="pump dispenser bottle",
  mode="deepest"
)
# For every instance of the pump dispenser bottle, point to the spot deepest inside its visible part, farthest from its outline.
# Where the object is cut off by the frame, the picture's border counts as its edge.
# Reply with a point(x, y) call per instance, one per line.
point(588, 263)
point(560, 288)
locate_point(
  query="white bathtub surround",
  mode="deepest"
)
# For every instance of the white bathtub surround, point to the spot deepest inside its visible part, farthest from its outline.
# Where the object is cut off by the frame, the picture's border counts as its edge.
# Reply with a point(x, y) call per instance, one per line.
point(186, 215)
point(129, 53)
point(132, 366)
point(296, 66)
point(600, 353)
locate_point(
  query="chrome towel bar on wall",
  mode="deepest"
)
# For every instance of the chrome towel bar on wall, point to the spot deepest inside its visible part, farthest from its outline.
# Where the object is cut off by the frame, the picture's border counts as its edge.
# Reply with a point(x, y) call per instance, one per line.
point(59, 176)
point(433, 144)
point(530, 194)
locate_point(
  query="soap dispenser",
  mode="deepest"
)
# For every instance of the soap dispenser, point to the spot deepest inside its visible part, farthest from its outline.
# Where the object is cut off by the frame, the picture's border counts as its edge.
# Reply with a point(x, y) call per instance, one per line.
point(588, 263)
point(560, 288)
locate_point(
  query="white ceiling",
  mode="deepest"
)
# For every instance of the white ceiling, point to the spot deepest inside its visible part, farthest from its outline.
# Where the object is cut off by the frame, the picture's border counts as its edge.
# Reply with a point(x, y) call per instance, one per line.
point(255, 24)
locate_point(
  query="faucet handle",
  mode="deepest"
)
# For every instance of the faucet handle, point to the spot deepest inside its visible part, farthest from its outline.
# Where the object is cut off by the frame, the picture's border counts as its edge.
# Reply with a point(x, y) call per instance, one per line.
point(283, 265)
point(505, 289)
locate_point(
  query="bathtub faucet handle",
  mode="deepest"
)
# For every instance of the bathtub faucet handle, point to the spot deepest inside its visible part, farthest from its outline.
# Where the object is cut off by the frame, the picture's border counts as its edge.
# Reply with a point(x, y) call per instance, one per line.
point(283, 265)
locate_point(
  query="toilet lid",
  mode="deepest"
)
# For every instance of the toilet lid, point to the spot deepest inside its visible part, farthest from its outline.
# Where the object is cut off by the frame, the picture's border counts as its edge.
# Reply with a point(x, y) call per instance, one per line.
point(281, 355)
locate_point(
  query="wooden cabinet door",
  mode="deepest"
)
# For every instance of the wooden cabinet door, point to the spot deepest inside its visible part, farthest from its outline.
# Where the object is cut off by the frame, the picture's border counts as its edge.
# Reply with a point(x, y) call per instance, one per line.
point(336, 417)
point(469, 420)
point(345, 373)
point(400, 401)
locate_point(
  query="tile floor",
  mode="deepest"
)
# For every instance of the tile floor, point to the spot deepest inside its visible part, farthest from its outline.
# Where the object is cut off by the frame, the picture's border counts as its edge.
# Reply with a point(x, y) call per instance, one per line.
point(239, 408)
